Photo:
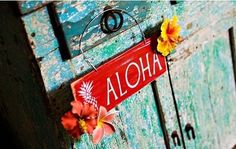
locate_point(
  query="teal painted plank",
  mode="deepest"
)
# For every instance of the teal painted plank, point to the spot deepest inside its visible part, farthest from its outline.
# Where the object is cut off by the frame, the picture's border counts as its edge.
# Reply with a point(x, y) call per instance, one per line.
point(31, 5)
point(74, 16)
point(167, 103)
point(222, 88)
point(199, 72)
point(57, 71)
point(192, 96)
point(40, 33)
point(210, 12)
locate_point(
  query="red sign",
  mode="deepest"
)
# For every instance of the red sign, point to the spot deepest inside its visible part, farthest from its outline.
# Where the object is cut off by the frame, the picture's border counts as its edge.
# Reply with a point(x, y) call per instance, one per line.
point(120, 77)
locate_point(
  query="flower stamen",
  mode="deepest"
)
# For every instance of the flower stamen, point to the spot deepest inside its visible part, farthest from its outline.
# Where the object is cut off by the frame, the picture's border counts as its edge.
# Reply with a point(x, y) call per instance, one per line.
point(82, 124)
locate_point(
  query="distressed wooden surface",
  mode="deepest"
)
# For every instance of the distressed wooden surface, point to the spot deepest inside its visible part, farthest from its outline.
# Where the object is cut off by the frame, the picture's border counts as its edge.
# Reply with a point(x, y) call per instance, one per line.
point(31, 5)
point(214, 16)
point(166, 100)
point(203, 80)
point(74, 16)
point(205, 94)
point(57, 73)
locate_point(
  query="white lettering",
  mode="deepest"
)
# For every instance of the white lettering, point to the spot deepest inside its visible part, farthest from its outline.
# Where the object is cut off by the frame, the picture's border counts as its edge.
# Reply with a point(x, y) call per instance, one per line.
point(110, 88)
point(156, 60)
point(126, 75)
point(146, 68)
point(118, 80)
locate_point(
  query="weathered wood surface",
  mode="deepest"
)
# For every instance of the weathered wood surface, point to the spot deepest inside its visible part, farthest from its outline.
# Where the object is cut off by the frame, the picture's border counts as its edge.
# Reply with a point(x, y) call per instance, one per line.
point(31, 5)
point(214, 16)
point(166, 100)
point(205, 93)
point(74, 16)
point(203, 80)
point(57, 73)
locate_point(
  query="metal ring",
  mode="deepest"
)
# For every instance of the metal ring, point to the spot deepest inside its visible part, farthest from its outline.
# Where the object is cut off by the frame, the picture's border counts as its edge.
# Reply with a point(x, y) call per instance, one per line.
point(121, 11)
point(115, 28)
point(104, 28)
point(104, 21)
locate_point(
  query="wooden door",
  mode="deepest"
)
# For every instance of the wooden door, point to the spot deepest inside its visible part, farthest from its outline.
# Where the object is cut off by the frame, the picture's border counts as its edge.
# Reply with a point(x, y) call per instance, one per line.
point(205, 93)
point(202, 77)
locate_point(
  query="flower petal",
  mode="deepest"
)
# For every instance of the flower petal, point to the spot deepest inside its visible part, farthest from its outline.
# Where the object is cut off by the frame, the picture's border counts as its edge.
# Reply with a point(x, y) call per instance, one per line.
point(85, 110)
point(76, 132)
point(77, 107)
point(68, 121)
point(109, 117)
point(164, 28)
point(89, 111)
point(174, 20)
point(92, 111)
point(163, 47)
point(97, 135)
point(102, 112)
point(173, 29)
point(91, 125)
point(108, 128)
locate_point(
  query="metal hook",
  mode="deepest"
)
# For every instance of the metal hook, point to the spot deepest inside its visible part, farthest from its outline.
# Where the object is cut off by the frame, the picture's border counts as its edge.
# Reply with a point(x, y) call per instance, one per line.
point(108, 10)
point(188, 127)
point(175, 135)
point(104, 21)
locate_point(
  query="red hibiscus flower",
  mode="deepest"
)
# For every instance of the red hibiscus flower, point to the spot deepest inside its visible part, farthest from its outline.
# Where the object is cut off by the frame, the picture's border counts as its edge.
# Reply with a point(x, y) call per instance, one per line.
point(81, 119)
point(104, 125)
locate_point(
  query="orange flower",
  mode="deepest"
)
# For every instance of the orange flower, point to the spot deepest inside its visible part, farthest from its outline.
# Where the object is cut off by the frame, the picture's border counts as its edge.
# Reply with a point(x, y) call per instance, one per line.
point(165, 46)
point(169, 38)
point(81, 119)
point(104, 125)
point(170, 29)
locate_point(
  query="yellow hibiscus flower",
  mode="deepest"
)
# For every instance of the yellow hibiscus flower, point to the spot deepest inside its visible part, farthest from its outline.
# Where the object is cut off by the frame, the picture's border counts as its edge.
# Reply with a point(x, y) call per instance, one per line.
point(169, 38)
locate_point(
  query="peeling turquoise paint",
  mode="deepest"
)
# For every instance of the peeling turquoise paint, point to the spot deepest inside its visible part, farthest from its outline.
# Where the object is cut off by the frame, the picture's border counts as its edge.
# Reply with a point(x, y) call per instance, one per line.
point(52, 65)
point(40, 33)
point(75, 16)
point(26, 6)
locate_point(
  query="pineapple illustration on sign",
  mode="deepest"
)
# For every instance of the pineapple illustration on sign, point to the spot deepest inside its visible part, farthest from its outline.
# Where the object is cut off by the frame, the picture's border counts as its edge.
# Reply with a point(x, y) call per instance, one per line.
point(86, 92)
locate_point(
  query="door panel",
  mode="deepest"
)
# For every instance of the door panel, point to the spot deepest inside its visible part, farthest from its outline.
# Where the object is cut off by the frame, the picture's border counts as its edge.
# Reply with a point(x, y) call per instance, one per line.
point(192, 96)
point(205, 91)
point(222, 88)
point(199, 68)
point(168, 108)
